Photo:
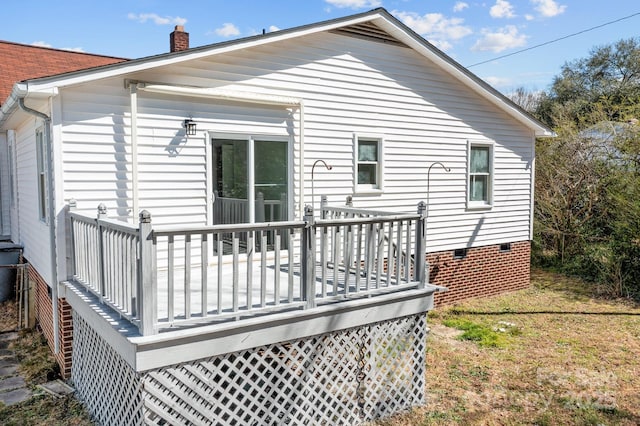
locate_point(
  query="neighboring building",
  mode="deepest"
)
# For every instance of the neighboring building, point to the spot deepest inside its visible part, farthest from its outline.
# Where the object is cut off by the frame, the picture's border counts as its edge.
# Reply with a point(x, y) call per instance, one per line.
point(20, 62)
point(363, 93)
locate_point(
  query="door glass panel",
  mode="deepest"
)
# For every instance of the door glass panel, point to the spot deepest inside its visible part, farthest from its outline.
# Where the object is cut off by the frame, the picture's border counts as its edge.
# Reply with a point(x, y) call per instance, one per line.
point(231, 203)
point(271, 171)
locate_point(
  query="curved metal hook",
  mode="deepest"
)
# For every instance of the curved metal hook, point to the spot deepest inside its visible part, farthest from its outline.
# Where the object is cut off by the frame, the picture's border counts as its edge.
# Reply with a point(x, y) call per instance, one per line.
point(446, 169)
point(328, 167)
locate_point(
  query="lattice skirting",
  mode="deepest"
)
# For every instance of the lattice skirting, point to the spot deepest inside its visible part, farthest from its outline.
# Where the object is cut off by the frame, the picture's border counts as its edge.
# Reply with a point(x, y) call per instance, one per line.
point(345, 377)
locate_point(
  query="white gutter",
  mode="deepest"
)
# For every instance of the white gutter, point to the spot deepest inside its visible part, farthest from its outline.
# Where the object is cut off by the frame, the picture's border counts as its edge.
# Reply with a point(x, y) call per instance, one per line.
point(52, 220)
point(19, 91)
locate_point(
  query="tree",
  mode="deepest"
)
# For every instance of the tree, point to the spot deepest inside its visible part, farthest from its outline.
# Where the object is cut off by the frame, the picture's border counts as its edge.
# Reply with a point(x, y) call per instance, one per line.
point(608, 78)
point(587, 216)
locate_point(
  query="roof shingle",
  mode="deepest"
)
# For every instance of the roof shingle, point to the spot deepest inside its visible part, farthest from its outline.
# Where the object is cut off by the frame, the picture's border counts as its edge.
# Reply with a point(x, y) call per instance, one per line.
point(20, 62)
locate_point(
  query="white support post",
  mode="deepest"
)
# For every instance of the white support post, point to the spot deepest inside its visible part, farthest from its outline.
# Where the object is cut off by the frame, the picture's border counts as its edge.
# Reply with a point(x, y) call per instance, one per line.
point(421, 273)
point(71, 248)
point(147, 285)
point(308, 259)
point(102, 214)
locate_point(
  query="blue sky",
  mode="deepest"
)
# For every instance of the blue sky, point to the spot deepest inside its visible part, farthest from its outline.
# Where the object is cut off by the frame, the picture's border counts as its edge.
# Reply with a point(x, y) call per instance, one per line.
point(467, 30)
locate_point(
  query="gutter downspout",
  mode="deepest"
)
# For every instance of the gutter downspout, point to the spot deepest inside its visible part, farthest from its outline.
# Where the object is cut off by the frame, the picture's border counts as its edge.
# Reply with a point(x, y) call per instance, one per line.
point(52, 220)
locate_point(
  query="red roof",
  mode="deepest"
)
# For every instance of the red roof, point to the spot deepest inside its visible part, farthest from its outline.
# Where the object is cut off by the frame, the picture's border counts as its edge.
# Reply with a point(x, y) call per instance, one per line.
point(20, 62)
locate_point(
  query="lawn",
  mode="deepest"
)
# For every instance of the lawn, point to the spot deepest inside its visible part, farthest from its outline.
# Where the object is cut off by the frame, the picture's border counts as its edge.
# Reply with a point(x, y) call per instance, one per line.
point(553, 354)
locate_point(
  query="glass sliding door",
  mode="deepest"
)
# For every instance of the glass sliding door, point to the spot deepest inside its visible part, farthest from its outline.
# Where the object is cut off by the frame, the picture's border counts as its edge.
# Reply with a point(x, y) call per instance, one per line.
point(230, 181)
point(250, 180)
point(271, 173)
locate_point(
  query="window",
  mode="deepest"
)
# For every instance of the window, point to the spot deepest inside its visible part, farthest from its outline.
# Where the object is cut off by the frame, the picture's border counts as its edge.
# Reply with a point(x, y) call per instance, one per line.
point(41, 165)
point(480, 175)
point(368, 159)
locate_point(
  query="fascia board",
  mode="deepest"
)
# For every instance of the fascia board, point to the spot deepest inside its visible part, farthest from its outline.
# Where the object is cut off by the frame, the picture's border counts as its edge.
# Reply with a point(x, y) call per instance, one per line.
point(137, 65)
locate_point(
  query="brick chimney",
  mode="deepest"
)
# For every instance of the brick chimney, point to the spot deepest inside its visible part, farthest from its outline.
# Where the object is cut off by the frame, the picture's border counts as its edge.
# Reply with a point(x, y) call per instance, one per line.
point(178, 39)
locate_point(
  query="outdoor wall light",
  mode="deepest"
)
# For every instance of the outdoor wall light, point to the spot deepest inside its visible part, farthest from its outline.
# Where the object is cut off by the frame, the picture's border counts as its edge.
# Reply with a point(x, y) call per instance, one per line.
point(189, 127)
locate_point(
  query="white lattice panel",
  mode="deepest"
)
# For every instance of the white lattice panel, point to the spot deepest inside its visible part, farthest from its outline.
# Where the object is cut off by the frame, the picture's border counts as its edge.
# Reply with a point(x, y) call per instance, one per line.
point(345, 377)
point(109, 387)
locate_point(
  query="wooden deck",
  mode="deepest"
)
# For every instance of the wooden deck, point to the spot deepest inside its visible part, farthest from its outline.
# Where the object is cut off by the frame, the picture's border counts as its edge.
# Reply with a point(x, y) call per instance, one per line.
point(170, 278)
point(279, 289)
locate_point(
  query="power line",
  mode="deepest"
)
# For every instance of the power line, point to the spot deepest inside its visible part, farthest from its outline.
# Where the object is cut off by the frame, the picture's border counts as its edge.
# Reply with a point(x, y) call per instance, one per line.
point(556, 40)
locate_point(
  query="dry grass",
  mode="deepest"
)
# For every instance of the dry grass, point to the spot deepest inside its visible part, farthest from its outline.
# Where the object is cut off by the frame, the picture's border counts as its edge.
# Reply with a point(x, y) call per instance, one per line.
point(562, 355)
point(37, 366)
point(566, 357)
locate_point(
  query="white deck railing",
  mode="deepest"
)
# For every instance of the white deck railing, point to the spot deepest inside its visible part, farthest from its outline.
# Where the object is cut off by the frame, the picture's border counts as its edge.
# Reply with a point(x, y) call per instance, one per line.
point(167, 277)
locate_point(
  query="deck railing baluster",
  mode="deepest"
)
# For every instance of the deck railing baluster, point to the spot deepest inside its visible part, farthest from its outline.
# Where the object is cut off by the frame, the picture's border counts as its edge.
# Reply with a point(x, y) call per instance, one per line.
point(236, 288)
point(170, 277)
point(204, 266)
point(187, 276)
point(263, 268)
point(250, 250)
point(220, 248)
point(386, 251)
point(276, 269)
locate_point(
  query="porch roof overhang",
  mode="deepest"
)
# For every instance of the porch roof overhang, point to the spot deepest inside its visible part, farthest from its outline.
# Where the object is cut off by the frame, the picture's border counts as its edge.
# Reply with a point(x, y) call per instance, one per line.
point(379, 17)
point(222, 94)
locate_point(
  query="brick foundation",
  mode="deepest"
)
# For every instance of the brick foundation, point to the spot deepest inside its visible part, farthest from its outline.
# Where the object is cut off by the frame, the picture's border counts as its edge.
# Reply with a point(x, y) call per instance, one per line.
point(45, 319)
point(484, 271)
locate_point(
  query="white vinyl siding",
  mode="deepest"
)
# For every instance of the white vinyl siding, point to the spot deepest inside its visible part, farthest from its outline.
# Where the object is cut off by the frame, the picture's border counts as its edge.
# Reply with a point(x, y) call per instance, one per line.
point(348, 85)
point(26, 227)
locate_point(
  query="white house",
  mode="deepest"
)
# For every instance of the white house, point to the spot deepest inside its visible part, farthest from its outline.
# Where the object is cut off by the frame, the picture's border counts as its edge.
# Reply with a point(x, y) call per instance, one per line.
point(358, 107)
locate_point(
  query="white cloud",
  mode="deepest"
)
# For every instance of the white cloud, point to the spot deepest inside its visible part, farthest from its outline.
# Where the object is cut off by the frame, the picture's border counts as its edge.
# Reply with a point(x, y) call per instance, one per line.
point(503, 39)
point(157, 19)
point(41, 44)
point(273, 28)
point(227, 30)
point(74, 49)
point(529, 17)
point(498, 81)
point(549, 8)
point(435, 27)
point(460, 6)
point(502, 9)
point(354, 4)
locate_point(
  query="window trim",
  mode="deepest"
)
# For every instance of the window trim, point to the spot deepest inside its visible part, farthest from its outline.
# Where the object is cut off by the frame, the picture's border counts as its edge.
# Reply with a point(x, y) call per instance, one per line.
point(41, 174)
point(250, 139)
point(488, 204)
point(366, 189)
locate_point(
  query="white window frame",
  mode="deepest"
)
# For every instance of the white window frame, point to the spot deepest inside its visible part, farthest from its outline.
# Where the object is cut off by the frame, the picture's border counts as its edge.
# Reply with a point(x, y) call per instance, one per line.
point(251, 139)
point(41, 174)
point(488, 203)
point(364, 189)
